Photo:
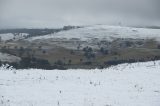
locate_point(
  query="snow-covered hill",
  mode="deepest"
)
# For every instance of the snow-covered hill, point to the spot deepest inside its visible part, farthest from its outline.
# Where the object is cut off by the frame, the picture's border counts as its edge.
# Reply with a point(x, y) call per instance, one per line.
point(105, 32)
point(135, 84)
point(11, 36)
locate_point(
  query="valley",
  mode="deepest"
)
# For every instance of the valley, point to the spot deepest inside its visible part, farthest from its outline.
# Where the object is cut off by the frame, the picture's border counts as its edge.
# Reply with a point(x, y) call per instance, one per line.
point(86, 47)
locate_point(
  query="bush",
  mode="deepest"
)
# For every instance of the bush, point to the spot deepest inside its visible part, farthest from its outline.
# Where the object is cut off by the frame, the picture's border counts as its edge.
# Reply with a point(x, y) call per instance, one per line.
point(59, 62)
point(69, 61)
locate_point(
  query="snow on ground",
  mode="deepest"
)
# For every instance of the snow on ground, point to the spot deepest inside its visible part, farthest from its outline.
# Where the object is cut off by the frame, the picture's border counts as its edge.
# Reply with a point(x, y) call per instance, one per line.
point(105, 32)
point(135, 84)
point(4, 57)
point(11, 36)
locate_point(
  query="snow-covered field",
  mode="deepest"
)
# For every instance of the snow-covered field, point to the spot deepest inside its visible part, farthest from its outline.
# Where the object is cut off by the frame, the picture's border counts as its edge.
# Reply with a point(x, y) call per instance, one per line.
point(135, 84)
point(105, 32)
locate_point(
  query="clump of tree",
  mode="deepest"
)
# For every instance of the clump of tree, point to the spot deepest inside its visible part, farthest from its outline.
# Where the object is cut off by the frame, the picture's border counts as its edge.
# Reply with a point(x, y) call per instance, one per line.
point(128, 43)
point(72, 52)
point(70, 27)
point(81, 60)
point(21, 51)
point(69, 61)
point(87, 63)
point(88, 53)
point(59, 62)
point(39, 47)
point(158, 46)
point(104, 51)
point(44, 52)
point(32, 62)
point(78, 47)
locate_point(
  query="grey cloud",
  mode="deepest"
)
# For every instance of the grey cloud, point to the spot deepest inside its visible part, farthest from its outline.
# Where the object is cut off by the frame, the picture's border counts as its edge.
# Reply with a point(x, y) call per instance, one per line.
point(56, 13)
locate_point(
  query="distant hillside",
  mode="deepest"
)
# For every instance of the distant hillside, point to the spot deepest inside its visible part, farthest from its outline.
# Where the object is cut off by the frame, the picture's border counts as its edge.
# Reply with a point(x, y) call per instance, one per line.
point(105, 32)
point(37, 32)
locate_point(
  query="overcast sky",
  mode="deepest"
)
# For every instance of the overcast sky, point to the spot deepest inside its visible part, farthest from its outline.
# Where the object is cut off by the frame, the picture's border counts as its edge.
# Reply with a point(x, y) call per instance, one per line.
point(56, 13)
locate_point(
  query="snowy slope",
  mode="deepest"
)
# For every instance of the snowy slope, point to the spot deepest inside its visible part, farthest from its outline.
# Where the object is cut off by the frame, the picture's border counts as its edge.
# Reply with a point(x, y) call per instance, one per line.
point(11, 36)
point(105, 32)
point(135, 84)
point(4, 57)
